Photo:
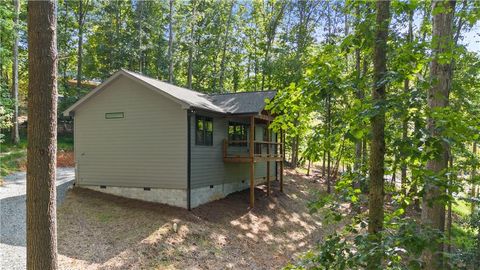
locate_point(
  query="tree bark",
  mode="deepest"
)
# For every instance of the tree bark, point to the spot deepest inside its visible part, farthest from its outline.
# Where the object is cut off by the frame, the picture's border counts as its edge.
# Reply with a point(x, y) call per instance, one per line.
point(170, 43)
point(141, 59)
point(295, 151)
point(329, 150)
point(42, 135)
point(81, 21)
point(271, 32)
point(308, 167)
point(377, 146)
point(323, 163)
point(65, 45)
point(473, 175)
point(339, 157)
point(449, 212)
point(14, 131)
point(224, 50)
point(359, 95)
point(433, 210)
point(191, 46)
point(406, 90)
point(394, 171)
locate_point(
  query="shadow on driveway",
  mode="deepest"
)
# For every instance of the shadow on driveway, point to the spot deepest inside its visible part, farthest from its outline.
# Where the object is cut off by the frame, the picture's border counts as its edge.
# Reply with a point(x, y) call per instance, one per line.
point(13, 216)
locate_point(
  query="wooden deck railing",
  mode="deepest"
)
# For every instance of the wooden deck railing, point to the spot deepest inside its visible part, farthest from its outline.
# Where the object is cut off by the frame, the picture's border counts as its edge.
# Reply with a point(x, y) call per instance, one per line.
point(262, 149)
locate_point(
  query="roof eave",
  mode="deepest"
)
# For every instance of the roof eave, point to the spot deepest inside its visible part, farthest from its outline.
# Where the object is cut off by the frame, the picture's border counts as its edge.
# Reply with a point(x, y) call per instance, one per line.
point(70, 110)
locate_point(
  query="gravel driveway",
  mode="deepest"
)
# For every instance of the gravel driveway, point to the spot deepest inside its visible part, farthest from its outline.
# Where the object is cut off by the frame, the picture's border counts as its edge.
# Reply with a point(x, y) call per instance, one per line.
point(12, 216)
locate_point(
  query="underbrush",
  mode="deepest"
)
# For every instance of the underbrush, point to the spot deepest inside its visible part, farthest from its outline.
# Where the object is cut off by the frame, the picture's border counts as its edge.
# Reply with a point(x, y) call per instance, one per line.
point(13, 158)
point(403, 240)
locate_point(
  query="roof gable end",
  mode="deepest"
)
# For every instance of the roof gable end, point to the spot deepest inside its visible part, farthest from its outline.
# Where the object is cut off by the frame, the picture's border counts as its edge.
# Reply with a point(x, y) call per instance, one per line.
point(231, 103)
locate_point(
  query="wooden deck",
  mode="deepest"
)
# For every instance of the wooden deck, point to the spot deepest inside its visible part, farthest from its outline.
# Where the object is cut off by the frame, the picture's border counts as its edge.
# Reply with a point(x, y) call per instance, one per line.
point(275, 152)
point(242, 159)
point(270, 154)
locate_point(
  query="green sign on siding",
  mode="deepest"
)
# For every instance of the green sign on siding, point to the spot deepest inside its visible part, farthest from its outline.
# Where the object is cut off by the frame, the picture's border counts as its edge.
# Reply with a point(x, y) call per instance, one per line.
point(114, 115)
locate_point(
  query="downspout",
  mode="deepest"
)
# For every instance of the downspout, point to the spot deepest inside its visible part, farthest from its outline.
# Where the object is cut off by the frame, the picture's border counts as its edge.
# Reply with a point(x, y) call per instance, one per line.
point(189, 159)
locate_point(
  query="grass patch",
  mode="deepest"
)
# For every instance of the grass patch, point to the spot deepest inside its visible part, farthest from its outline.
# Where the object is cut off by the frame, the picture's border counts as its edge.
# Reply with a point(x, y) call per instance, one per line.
point(461, 208)
point(13, 158)
point(65, 143)
point(12, 161)
point(463, 238)
point(7, 147)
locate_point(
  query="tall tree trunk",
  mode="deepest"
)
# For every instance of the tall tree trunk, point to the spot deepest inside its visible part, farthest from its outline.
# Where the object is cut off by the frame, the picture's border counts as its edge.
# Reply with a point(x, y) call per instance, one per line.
point(433, 209)
point(170, 43)
point(406, 90)
point(224, 50)
point(339, 157)
point(42, 135)
point(377, 147)
point(295, 146)
point(365, 156)
point(65, 33)
point(293, 158)
point(329, 150)
point(295, 142)
point(14, 131)
point(414, 186)
point(472, 176)
point(394, 170)
point(308, 167)
point(323, 162)
point(449, 211)
point(141, 60)
point(359, 95)
point(364, 167)
point(271, 32)
point(2, 79)
point(80, 45)
point(191, 45)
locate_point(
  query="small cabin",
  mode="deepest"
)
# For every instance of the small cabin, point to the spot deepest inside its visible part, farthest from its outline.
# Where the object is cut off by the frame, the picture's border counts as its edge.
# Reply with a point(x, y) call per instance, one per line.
point(142, 138)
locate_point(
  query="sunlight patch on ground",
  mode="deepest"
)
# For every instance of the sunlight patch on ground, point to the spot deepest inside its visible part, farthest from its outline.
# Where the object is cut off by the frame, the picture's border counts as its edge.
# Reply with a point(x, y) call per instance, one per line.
point(98, 231)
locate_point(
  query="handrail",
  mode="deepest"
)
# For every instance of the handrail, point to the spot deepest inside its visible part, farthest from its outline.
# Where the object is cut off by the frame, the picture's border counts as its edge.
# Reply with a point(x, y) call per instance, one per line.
point(257, 142)
point(274, 153)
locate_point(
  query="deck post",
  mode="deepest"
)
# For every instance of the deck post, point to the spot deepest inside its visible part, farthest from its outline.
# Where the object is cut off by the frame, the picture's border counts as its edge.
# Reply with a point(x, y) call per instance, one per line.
point(282, 154)
point(252, 156)
point(268, 158)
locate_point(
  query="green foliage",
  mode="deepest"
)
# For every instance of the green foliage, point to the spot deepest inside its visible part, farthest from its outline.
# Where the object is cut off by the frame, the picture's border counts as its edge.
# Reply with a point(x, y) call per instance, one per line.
point(10, 162)
point(318, 56)
point(12, 157)
point(401, 247)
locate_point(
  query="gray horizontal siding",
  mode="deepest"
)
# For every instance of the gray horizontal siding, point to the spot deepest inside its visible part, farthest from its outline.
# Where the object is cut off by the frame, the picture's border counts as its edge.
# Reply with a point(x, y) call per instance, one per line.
point(207, 163)
point(145, 149)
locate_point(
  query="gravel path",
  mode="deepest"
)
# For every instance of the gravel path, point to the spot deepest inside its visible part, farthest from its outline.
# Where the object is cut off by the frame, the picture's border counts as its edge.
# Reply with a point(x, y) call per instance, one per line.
point(12, 216)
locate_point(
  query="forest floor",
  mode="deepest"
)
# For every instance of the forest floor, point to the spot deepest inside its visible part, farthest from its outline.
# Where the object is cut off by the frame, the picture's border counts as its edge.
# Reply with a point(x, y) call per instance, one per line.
point(101, 231)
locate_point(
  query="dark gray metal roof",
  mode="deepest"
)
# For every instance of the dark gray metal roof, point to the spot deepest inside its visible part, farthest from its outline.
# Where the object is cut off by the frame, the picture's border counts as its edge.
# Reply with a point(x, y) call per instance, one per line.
point(242, 102)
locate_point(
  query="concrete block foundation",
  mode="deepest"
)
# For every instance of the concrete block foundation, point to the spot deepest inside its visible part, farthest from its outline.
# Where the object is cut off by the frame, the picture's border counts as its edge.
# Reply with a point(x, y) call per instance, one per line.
point(178, 197)
point(174, 197)
point(207, 194)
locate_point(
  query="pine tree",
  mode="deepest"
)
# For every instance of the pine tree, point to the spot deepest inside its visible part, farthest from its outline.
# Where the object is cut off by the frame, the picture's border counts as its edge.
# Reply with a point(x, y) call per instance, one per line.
point(42, 135)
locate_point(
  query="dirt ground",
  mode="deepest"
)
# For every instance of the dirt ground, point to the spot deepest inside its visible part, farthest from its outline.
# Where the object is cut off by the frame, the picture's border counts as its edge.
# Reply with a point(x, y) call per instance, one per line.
point(100, 231)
